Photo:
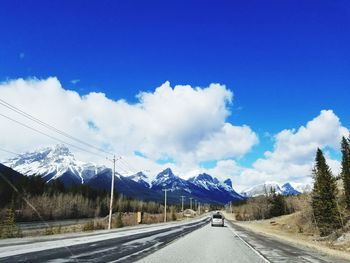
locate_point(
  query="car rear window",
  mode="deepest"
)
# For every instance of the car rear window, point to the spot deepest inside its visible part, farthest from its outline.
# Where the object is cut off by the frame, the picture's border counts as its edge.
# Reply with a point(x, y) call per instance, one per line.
point(217, 216)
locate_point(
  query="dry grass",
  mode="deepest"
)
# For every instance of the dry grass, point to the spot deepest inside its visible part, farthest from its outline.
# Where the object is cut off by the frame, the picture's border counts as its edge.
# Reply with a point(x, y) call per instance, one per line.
point(128, 219)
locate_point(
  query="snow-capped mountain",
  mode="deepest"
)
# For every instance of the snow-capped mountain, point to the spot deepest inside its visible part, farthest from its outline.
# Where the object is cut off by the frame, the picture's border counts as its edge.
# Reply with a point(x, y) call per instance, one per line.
point(285, 189)
point(167, 179)
point(206, 182)
point(140, 178)
point(228, 182)
point(58, 162)
point(288, 189)
point(262, 189)
point(55, 162)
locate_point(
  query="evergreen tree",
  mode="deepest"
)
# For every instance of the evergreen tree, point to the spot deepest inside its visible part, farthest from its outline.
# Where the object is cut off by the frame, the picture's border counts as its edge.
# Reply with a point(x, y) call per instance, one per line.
point(278, 205)
point(324, 197)
point(345, 172)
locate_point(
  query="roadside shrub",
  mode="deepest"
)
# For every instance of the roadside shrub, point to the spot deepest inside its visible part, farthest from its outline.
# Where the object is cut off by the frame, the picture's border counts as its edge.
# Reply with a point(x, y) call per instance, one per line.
point(48, 231)
point(88, 226)
point(119, 221)
point(8, 228)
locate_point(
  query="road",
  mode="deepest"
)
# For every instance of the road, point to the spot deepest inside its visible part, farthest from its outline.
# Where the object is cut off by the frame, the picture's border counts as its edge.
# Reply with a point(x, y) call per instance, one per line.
point(234, 244)
point(191, 241)
point(122, 245)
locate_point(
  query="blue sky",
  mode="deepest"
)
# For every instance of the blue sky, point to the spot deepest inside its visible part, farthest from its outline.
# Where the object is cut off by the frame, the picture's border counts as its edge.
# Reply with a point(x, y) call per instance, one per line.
point(285, 61)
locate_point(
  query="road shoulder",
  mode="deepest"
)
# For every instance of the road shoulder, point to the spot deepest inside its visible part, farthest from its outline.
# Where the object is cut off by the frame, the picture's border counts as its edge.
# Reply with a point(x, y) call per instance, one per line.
point(294, 240)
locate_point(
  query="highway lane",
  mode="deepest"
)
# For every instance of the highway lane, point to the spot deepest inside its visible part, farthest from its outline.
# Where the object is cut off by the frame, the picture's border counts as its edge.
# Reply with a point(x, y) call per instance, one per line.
point(234, 244)
point(208, 244)
point(116, 246)
point(191, 241)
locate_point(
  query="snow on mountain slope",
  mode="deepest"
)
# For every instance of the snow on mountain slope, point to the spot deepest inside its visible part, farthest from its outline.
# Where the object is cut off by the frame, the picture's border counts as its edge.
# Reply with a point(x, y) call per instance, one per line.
point(59, 163)
point(167, 179)
point(140, 178)
point(204, 181)
point(262, 189)
point(52, 163)
point(207, 182)
point(288, 189)
point(285, 189)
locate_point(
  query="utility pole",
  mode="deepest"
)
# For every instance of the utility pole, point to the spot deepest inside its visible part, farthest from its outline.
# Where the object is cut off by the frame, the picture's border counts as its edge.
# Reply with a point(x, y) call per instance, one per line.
point(165, 190)
point(182, 203)
point(195, 205)
point(199, 208)
point(191, 202)
point(112, 194)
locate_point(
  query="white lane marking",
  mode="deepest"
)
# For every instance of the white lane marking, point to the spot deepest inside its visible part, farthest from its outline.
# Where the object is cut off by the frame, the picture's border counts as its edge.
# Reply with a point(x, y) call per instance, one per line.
point(14, 250)
point(247, 244)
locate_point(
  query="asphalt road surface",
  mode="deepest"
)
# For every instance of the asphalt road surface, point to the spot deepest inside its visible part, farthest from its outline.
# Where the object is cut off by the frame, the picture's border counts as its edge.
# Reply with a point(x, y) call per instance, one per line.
point(191, 241)
point(234, 244)
point(126, 245)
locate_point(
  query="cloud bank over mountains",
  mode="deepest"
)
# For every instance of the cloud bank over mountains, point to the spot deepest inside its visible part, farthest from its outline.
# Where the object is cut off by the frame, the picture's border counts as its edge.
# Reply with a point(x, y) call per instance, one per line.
point(294, 151)
point(178, 126)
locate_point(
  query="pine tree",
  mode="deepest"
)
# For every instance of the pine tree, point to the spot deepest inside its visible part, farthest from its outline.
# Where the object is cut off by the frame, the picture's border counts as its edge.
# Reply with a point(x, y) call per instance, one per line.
point(278, 205)
point(324, 197)
point(345, 172)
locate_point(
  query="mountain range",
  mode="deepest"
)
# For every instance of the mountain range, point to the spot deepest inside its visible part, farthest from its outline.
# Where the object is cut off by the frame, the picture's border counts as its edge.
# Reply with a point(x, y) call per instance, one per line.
point(58, 162)
point(285, 189)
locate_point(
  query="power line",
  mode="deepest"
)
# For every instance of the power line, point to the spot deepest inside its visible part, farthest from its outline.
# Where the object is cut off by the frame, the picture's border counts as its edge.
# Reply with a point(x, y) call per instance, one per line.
point(48, 126)
point(52, 128)
point(126, 164)
point(49, 136)
point(7, 151)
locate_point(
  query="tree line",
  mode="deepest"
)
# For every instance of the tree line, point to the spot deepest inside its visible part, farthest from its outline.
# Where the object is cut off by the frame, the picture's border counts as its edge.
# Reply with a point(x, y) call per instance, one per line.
point(30, 198)
point(327, 207)
point(327, 203)
point(266, 206)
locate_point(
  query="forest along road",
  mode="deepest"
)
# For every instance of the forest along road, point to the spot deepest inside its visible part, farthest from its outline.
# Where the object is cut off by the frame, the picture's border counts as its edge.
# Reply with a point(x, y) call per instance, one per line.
point(122, 245)
point(233, 244)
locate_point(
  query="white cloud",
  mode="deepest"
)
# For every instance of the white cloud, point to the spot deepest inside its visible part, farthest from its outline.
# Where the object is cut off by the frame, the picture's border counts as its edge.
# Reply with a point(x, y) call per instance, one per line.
point(183, 123)
point(229, 141)
point(294, 151)
point(226, 169)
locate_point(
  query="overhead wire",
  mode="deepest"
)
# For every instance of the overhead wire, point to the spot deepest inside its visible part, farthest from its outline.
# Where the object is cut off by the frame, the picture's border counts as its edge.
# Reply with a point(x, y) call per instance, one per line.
point(48, 126)
point(52, 128)
point(7, 151)
point(49, 136)
point(128, 165)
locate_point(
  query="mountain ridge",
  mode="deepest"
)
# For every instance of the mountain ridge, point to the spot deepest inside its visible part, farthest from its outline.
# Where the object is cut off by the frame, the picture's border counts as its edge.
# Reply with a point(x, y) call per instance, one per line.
point(285, 189)
point(52, 163)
